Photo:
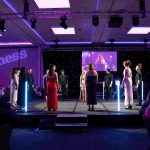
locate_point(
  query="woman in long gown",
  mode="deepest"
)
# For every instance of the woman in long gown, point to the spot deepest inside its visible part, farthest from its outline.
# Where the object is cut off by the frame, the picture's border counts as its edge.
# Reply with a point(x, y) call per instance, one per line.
point(91, 80)
point(51, 89)
point(14, 87)
point(127, 82)
point(82, 86)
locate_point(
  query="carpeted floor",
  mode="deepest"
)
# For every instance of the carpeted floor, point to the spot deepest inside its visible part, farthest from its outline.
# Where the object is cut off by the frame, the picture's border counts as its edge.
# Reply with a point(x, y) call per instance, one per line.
point(93, 139)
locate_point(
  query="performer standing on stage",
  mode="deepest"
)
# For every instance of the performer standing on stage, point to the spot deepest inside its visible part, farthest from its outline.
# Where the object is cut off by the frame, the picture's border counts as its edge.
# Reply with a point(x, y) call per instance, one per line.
point(91, 80)
point(14, 86)
point(44, 83)
point(82, 86)
point(21, 88)
point(127, 82)
point(30, 79)
point(63, 82)
point(52, 88)
point(108, 79)
point(138, 86)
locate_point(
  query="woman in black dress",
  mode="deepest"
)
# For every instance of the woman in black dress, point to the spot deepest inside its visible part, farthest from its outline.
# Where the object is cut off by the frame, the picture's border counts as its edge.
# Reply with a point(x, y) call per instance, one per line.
point(21, 88)
point(91, 80)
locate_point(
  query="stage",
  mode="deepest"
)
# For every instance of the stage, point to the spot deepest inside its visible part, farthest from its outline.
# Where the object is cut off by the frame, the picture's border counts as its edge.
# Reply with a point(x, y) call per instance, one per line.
point(70, 111)
point(75, 106)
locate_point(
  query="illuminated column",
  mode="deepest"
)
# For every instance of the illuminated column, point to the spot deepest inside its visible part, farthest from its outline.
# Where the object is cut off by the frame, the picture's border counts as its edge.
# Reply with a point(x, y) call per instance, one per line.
point(103, 90)
point(142, 91)
point(117, 82)
point(26, 96)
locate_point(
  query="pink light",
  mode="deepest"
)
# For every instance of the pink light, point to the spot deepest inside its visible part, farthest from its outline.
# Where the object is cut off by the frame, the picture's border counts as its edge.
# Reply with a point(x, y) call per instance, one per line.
point(1, 35)
point(52, 3)
point(139, 30)
point(58, 30)
point(14, 43)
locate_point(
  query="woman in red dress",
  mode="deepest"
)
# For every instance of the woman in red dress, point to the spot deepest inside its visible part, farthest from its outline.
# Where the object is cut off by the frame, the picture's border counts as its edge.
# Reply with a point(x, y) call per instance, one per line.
point(51, 90)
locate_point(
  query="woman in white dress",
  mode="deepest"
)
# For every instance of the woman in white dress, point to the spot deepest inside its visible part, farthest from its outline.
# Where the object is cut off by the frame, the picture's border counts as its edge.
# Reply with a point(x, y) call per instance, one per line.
point(82, 86)
point(127, 83)
point(14, 86)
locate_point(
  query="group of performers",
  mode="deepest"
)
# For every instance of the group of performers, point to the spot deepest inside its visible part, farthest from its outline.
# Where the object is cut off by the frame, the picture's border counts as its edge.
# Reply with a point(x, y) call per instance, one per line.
point(88, 87)
point(127, 84)
point(52, 83)
point(17, 86)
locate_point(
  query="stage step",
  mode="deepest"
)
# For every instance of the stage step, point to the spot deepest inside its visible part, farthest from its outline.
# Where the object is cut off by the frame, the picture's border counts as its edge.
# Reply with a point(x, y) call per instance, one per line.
point(67, 121)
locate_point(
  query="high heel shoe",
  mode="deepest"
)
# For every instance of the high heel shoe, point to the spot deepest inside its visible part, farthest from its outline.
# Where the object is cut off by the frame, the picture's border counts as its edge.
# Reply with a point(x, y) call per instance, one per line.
point(92, 108)
point(130, 107)
point(89, 108)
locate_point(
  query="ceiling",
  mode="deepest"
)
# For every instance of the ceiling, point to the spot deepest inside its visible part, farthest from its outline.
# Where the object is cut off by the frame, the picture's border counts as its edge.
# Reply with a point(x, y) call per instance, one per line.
point(79, 16)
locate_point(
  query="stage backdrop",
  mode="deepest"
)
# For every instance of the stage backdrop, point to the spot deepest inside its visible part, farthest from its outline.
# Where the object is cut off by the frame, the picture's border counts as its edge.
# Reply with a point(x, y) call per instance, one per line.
point(70, 61)
point(18, 57)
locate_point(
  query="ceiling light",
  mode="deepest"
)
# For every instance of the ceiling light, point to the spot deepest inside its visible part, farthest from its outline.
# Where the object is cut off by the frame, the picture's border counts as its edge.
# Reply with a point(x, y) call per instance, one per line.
point(127, 42)
point(69, 30)
point(14, 43)
point(139, 30)
point(63, 22)
point(95, 20)
point(52, 3)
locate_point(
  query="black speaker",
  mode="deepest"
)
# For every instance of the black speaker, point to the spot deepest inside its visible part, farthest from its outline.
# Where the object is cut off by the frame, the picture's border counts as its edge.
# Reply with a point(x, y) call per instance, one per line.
point(95, 20)
point(47, 123)
point(115, 21)
point(135, 20)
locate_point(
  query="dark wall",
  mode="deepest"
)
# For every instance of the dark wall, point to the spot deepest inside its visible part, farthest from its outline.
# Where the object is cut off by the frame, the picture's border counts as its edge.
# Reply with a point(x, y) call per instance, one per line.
point(71, 62)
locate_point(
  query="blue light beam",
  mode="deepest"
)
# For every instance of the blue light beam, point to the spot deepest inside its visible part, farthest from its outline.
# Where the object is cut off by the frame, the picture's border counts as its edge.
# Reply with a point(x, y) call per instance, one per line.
point(142, 91)
point(118, 94)
point(26, 96)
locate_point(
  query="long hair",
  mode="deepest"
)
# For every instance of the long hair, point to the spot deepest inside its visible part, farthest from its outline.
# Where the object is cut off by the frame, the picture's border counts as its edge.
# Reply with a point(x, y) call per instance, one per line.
point(23, 73)
point(127, 63)
point(14, 70)
point(51, 66)
point(91, 68)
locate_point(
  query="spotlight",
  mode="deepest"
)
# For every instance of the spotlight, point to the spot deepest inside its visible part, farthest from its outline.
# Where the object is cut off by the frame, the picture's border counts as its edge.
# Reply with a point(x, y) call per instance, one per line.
point(115, 21)
point(33, 23)
point(95, 20)
point(135, 20)
point(63, 22)
point(2, 25)
point(26, 6)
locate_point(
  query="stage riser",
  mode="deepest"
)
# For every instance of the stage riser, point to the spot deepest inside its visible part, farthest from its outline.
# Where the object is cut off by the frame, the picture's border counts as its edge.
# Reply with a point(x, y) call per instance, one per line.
point(93, 120)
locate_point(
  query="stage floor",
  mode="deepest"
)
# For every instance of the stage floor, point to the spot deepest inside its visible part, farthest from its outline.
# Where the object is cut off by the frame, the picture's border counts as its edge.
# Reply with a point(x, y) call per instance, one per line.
point(74, 106)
